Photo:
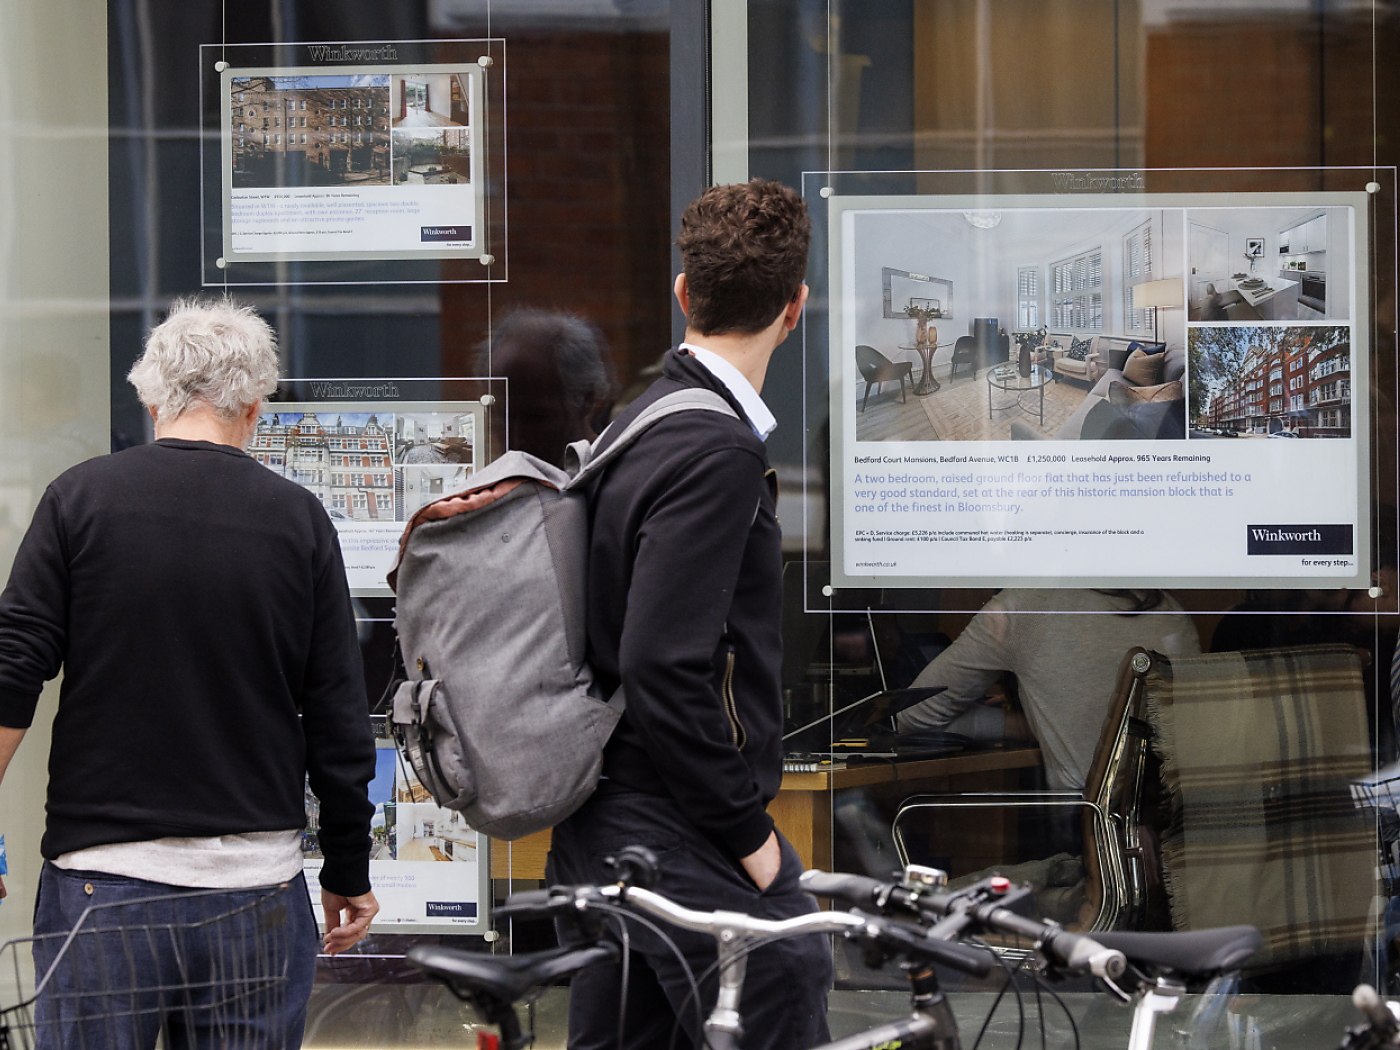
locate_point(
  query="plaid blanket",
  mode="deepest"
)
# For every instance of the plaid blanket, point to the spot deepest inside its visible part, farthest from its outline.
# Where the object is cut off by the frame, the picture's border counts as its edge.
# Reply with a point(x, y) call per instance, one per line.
point(1258, 752)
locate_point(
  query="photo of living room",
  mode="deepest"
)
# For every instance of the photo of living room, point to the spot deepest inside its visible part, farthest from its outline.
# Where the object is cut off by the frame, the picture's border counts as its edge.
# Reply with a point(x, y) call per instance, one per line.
point(1020, 324)
point(1255, 265)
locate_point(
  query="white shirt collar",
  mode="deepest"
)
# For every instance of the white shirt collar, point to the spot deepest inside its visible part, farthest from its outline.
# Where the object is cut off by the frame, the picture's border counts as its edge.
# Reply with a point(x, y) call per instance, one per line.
point(760, 418)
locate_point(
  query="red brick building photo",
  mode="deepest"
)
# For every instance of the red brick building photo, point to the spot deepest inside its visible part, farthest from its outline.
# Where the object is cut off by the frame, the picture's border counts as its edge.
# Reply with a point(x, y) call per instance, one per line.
point(309, 131)
point(1284, 381)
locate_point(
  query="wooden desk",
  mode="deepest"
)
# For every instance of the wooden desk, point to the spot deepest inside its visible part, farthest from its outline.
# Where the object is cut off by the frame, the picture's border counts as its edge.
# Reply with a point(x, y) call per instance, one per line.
point(802, 808)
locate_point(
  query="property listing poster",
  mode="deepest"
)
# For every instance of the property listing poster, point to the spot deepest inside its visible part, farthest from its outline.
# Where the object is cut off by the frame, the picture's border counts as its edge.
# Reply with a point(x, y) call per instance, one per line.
point(428, 868)
point(1108, 392)
point(372, 466)
point(358, 162)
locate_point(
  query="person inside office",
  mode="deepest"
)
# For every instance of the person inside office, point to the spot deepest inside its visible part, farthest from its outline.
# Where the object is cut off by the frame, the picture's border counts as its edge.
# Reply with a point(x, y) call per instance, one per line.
point(1064, 647)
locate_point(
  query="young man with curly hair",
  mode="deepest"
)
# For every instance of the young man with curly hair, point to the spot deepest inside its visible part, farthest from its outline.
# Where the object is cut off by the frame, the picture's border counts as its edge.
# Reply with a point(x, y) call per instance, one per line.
point(685, 593)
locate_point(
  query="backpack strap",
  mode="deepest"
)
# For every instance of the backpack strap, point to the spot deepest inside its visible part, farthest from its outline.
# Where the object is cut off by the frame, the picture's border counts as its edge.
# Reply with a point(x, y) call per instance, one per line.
point(590, 461)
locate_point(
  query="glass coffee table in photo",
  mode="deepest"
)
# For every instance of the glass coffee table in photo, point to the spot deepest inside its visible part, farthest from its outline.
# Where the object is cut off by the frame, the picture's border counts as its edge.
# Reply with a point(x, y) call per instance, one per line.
point(1008, 379)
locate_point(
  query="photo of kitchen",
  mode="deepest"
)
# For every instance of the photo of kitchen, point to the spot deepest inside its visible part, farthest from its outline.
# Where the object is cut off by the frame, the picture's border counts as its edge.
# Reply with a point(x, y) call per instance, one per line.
point(1027, 324)
point(423, 830)
point(426, 832)
point(1255, 265)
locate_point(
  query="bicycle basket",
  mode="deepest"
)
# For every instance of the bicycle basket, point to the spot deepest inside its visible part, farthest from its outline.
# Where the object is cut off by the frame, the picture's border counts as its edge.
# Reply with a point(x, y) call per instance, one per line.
point(186, 965)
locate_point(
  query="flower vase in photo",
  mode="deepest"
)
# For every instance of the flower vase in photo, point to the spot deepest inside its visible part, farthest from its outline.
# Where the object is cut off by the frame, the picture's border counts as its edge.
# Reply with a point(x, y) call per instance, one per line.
point(1025, 362)
point(921, 332)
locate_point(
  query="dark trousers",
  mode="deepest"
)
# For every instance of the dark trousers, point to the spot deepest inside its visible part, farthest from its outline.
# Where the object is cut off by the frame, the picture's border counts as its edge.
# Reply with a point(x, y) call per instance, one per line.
point(227, 969)
point(785, 989)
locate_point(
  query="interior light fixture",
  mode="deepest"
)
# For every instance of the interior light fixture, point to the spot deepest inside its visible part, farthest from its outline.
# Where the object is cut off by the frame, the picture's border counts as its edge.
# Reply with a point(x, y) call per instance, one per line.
point(983, 220)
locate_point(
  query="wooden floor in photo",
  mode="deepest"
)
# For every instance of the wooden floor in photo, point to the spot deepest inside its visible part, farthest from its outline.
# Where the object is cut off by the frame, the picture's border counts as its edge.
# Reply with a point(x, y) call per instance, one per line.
point(958, 412)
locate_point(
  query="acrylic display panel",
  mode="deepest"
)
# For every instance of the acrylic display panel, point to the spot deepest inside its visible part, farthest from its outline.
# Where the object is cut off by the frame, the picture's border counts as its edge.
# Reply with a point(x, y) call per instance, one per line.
point(1132, 388)
point(350, 163)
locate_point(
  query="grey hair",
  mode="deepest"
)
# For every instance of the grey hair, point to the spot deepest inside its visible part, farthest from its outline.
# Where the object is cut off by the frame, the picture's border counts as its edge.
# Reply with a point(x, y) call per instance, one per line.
point(217, 351)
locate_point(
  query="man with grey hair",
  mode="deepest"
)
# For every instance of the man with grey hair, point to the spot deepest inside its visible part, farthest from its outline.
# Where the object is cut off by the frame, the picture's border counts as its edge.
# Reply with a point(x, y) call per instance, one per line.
point(198, 606)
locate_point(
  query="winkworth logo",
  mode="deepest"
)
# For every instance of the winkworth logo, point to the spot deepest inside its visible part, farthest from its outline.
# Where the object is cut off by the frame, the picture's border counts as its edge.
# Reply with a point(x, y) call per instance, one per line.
point(1300, 539)
point(460, 909)
point(444, 233)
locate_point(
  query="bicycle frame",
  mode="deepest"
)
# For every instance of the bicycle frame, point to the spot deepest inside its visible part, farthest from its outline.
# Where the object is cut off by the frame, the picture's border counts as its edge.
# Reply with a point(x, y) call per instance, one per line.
point(736, 934)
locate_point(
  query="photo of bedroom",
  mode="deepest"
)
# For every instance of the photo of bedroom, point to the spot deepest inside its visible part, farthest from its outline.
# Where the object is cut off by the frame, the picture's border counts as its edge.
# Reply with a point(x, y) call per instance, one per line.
point(1024, 324)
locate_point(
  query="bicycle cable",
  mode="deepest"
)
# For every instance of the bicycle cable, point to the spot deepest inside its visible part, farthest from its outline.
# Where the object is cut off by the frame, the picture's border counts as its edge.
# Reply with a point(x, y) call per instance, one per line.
point(1074, 1028)
point(624, 935)
point(1039, 1008)
point(612, 909)
point(694, 993)
point(1010, 983)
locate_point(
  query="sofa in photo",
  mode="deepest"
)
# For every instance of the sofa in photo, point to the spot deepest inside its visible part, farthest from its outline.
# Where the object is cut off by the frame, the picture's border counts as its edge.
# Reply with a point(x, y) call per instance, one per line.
point(1137, 392)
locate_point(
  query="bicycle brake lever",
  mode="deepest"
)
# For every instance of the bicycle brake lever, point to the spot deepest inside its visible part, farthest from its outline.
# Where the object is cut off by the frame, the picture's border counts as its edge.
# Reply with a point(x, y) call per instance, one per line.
point(1114, 990)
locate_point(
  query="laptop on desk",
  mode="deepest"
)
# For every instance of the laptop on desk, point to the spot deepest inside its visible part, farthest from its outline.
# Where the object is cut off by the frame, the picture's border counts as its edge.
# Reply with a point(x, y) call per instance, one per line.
point(864, 732)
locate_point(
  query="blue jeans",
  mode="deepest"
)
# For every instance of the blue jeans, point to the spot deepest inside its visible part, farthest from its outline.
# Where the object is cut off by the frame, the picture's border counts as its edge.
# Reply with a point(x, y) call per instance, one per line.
point(225, 968)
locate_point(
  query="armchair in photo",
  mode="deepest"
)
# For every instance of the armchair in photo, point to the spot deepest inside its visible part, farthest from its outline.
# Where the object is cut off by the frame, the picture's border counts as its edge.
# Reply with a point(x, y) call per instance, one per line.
point(1069, 357)
point(965, 358)
point(876, 369)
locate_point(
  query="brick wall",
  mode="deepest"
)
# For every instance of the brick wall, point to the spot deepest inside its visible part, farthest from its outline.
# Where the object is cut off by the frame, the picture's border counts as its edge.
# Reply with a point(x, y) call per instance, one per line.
point(588, 149)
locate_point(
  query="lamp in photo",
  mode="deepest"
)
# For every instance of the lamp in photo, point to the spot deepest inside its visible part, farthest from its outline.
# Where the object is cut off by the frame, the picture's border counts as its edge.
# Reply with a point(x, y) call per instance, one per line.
point(1158, 295)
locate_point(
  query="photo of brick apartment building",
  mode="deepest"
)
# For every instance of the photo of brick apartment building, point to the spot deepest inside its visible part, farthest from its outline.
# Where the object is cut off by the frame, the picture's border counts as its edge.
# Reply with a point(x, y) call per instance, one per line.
point(1258, 381)
point(309, 131)
point(345, 463)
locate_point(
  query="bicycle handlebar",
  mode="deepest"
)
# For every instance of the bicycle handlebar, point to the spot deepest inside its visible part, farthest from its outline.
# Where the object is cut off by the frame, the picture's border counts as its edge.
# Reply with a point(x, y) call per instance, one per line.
point(952, 913)
point(710, 921)
point(892, 934)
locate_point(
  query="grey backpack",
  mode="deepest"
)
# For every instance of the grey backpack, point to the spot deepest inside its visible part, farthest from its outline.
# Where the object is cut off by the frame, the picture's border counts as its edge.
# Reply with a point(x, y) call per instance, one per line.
point(499, 717)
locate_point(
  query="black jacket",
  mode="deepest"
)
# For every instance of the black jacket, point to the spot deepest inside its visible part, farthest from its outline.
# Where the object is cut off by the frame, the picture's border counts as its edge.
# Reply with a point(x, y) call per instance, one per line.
point(199, 608)
point(684, 609)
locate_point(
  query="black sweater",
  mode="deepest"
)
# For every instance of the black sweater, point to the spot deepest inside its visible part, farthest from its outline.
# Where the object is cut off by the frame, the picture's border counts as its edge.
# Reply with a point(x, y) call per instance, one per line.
point(684, 608)
point(198, 605)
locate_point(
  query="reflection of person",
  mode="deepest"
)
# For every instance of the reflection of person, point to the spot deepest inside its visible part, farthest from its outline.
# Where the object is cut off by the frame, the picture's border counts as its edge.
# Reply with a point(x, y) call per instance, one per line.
point(684, 608)
point(561, 379)
point(1064, 647)
point(197, 604)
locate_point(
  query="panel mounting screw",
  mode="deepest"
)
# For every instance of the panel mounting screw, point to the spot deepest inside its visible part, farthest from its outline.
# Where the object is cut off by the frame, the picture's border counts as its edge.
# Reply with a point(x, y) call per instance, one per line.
point(219, 67)
point(488, 399)
point(1373, 187)
point(825, 191)
point(221, 262)
point(828, 591)
point(486, 61)
point(487, 259)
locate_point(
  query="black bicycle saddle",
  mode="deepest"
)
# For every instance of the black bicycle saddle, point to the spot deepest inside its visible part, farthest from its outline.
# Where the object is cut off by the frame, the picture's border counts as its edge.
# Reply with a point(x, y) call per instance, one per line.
point(1190, 953)
point(506, 977)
